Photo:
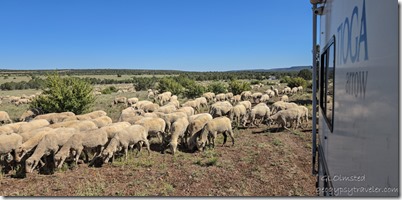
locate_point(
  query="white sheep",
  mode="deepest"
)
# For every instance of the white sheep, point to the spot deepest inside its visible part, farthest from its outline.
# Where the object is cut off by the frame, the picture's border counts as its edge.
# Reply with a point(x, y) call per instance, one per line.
point(135, 134)
point(212, 128)
point(284, 98)
point(239, 114)
point(4, 118)
point(9, 143)
point(155, 127)
point(219, 109)
point(192, 103)
point(29, 144)
point(82, 142)
point(188, 110)
point(132, 101)
point(220, 97)
point(178, 130)
point(260, 111)
point(49, 145)
point(196, 124)
point(34, 124)
point(284, 116)
point(102, 121)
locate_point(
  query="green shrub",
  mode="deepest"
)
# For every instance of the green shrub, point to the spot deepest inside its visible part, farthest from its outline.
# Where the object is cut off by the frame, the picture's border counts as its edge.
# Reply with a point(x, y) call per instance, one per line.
point(64, 94)
point(194, 90)
point(237, 87)
point(168, 84)
point(305, 74)
point(217, 87)
point(296, 82)
point(144, 83)
point(109, 90)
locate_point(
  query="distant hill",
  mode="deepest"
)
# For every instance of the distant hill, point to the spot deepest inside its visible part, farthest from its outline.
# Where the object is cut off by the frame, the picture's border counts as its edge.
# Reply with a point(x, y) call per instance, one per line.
point(288, 69)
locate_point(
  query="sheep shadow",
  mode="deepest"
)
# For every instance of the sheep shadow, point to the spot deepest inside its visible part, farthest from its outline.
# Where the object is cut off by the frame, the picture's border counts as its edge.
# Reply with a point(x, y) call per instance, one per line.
point(269, 130)
point(303, 101)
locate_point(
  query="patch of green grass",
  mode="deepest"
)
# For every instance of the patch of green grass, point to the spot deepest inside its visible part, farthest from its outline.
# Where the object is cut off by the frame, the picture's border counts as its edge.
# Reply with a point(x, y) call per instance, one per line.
point(95, 188)
point(277, 142)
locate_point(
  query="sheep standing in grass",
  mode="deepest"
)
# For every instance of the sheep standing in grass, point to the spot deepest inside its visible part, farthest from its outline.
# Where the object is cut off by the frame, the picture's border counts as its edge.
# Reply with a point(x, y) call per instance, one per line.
point(264, 98)
point(178, 130)
point(9, 143)
point(120, 100)
point(132, 101)
point(33, 125)
point(220, 97)
point(102, 121)
point(135, 134)
point(171, 118)
point(29, 144)
point(15, 126)
point(155, 127)
point(260, 111)
point(82, 142)
point(235, 99)
point(284, 116)
point(188, 110)
point(192, 103)
point(49, 145)
point(247, 105)
point(210, 96)
point(4, 118)
point(114, 128)
point(219, 109)
point(212, 128)
point(196, 123)
point(281, 105)
point(167, 109)
point(284, 98)
point(238, 114)
point(150, 107)
point(202, 102)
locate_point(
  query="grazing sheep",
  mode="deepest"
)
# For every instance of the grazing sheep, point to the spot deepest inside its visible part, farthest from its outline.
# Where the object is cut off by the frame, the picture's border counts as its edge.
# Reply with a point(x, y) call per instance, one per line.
point(196, 124)
point(33, 125)
point(150, 107)
point(211, 130)
point(118, 100)
point(92, 115)
point(202, 102)
point(54, 117)
point(188, 110)
point(236, 99)
point(210, 96)
point(151, 95)
point(127, 115)
point(6, 130)
point(287, 90)
point(192, 103)
point(294, 90)
point(171, 118)
point(264, 98)
point(9, 143)
point(300, 89)
point(219, 109)
point(302, 115)
point(29, 115)
point(260, 111)
point(82, 142)
point(174, 102)
point(4, 118)
point(284, 98)
point(220, 97)
point(270, 93)
point(281, 105)
point(167, 109)
point(228, 96)
point(114, 128)
point(284, 116)
point(155, 126)
point(102, 121)
point(238, 114)
point(49, 145)
point(29, 143)
point(135, 134)
point(15, 126)
point(29, 134)
point(132, 101)
point(163, 98)
point(63, 124)
point(245, 95)
point(256, 97)
point(246, 104)
point(83, 125)
point(178, 130)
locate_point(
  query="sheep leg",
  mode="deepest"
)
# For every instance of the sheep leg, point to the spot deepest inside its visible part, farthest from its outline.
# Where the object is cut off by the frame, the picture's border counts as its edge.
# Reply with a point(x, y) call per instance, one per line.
point(86, 155)
point(231, 136)
point(77, 156)
point(224, 138)
point(148, 146)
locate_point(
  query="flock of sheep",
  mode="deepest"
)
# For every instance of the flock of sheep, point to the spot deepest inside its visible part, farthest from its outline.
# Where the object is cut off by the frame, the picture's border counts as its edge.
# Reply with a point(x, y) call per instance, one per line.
point(64, 136)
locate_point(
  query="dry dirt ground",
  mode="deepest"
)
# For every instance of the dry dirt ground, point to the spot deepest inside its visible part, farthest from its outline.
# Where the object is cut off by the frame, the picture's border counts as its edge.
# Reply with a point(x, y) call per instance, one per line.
point(261, 163)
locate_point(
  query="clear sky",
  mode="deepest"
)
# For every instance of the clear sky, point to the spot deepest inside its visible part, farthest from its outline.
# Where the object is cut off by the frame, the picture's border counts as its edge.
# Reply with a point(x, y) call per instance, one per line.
point(193, 35)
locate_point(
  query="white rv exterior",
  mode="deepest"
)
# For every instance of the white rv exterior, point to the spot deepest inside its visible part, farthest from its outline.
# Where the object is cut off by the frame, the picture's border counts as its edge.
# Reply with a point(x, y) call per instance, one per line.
point(358, 140)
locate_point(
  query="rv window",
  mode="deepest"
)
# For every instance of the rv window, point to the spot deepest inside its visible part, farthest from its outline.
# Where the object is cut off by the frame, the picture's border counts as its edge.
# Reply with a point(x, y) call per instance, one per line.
point(327, 72)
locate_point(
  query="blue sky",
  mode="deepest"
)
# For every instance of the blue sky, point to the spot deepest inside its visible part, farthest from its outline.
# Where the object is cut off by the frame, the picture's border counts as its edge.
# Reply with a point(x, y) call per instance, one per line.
point(193, 35)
